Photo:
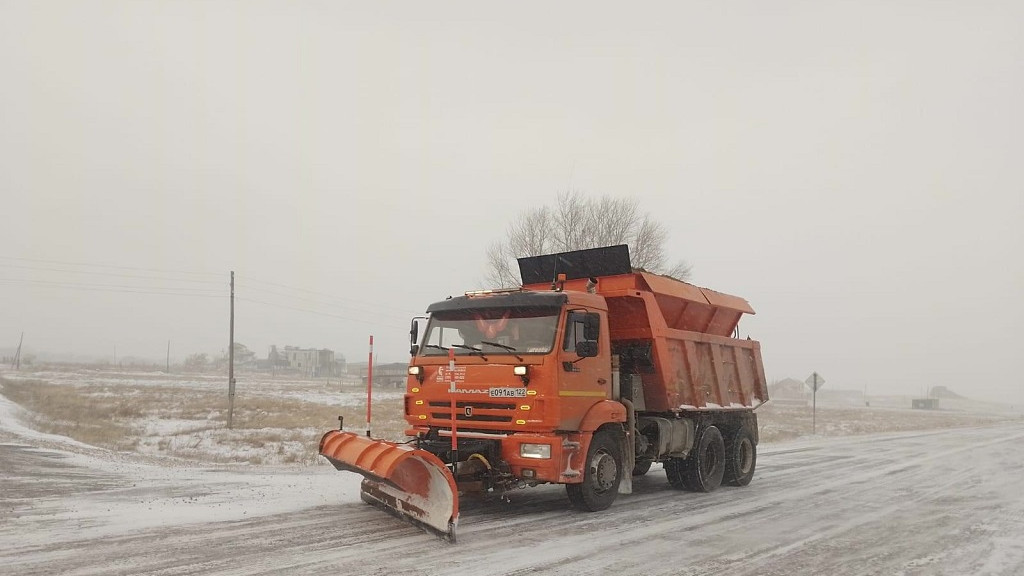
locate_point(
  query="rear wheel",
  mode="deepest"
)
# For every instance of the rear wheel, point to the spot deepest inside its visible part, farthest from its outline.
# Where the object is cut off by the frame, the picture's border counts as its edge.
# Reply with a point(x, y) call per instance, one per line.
point(740, 457)
point(601, 475)
point(702, 471)
point(676, 471)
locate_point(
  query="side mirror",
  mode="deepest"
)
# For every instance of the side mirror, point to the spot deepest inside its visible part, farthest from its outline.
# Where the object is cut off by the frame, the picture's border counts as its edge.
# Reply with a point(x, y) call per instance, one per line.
point(591, 327)
point(586, 348)
point(414, 332)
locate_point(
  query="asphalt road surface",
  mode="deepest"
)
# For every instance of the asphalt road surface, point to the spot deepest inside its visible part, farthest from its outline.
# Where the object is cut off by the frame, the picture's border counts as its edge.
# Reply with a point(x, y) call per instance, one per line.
point(940, 502)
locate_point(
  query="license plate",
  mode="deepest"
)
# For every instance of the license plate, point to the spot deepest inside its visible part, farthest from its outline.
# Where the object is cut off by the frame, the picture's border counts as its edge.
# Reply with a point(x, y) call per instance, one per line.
point(507, 393)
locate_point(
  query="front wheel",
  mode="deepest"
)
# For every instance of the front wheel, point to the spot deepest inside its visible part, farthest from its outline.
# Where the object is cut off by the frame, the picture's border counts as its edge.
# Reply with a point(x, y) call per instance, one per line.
point(601, 475)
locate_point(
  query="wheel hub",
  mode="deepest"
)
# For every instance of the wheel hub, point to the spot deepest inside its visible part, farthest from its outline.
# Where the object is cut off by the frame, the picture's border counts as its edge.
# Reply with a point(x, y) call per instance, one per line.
point(746, 456)
point(710, 461)
point(604, 471)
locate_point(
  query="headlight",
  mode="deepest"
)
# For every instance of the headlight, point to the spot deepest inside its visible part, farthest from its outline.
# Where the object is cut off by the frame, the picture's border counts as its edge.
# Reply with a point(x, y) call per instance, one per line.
point(539, 451)
point(415, 370)
point(519, 370)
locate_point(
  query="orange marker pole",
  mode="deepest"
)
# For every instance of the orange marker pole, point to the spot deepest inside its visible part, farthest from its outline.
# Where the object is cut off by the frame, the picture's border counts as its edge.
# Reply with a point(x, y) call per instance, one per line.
point(451, 390)
point(369, 387)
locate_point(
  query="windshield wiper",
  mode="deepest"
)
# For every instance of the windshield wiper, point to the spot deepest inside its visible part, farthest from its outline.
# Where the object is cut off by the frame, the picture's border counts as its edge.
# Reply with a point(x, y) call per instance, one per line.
point(435, 346)
point(474, 349)
point(506, 347)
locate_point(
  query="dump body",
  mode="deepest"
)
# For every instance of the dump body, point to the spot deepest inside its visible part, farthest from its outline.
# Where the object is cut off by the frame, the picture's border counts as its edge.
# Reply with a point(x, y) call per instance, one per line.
point(675, 338)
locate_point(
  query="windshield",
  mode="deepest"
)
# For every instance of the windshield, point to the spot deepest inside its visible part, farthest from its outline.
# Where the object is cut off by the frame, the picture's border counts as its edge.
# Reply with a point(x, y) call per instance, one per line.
point(522, 330)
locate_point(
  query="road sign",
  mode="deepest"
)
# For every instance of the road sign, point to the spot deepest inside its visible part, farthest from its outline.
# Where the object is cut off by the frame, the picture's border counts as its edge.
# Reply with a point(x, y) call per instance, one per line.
point(815, 381)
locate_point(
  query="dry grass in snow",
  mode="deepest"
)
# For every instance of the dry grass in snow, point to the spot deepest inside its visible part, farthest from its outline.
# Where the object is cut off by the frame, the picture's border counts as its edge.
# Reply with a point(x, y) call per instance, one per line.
point(779, 423)
point(274, 422)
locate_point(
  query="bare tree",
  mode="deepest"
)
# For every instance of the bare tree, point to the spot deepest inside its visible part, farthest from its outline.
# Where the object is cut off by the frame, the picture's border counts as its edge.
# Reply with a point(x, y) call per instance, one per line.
point(576, 223)
point(197, 361)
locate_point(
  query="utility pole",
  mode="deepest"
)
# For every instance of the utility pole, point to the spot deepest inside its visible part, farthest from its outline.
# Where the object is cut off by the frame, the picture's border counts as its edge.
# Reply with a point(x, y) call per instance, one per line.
point(17, 355)
point(231, 356)
point(814, 406)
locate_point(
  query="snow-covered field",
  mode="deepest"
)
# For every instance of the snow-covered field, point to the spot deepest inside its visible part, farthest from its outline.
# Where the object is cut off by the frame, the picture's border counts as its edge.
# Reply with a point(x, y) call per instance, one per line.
point(276, 420)
point(927, 501)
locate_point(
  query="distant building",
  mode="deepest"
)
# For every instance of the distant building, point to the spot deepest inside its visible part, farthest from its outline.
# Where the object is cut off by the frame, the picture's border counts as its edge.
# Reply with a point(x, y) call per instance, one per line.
point(924, 403)
point(393, 374)
point(943, 392)
point(790, 392)
point(311, 362)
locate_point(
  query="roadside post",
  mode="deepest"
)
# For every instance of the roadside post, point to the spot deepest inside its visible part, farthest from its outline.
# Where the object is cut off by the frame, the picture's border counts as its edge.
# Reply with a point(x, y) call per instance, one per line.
point(231, 357)
point(815, 381)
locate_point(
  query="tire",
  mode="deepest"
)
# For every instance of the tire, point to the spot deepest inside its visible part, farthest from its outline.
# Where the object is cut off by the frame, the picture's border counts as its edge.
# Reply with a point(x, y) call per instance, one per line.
point(601, 474)
point(703, 469)
point(676, 470)
point(641, 467)
point(740, 457)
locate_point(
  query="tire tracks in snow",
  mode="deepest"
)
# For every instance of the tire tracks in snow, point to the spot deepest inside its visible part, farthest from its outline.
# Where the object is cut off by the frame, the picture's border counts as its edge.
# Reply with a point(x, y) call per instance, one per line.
point(891, 504)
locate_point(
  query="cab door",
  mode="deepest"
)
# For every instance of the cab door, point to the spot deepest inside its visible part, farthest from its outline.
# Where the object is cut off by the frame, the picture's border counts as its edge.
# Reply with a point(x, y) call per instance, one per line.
point(583, 380)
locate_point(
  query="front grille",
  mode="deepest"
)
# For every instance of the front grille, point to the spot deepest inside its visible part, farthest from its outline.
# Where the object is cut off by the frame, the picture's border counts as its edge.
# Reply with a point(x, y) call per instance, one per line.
point(460, 416)
point(481, 411)
point(476, 405)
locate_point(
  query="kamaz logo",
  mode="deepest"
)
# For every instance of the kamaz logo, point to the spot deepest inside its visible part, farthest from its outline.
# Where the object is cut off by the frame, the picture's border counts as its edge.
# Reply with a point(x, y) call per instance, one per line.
point(469, 411)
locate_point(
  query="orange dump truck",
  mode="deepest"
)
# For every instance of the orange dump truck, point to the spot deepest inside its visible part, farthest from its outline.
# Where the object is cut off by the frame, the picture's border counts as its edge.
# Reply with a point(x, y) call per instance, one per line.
point(585, 376)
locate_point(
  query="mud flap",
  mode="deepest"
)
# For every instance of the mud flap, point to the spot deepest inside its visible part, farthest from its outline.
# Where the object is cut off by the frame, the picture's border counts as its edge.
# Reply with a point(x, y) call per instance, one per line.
point(412, 484)
point(628, 450)
point(626, 485)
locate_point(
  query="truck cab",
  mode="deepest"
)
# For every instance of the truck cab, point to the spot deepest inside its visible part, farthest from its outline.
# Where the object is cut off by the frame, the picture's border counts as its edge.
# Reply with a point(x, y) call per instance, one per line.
point(532, 372)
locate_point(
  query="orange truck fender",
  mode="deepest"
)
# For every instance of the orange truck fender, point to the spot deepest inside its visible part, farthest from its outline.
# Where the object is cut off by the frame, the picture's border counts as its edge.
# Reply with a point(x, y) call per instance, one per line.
point(602, 413)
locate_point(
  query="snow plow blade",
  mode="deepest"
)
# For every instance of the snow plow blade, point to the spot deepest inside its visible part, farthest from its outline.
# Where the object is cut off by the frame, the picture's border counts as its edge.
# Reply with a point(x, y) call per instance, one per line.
point(412, 484)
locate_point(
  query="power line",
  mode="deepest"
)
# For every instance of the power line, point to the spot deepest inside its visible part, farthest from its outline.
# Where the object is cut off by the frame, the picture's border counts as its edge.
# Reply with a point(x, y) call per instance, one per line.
point(154, 290)
point(187, 291)
point(114, 274)
point(318, 312)
point(330, 296)
point(112, 266)
point(99, 269)
point(338, 302)
point(197, 292)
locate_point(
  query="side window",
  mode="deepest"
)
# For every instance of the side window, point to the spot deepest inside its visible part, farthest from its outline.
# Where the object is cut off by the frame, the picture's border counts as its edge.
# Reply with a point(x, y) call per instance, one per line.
point(581, 326)
point(573, 326)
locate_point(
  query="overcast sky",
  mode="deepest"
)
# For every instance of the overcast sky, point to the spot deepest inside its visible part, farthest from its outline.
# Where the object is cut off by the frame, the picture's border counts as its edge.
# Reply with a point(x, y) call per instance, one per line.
point(853, 169)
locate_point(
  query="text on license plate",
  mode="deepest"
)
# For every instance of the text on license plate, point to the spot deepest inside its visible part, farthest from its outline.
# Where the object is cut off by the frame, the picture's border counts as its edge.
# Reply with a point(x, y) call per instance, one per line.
point(507, 393)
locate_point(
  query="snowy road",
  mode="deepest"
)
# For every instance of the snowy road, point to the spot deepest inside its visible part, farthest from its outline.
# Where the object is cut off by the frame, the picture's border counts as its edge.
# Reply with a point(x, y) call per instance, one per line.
point(942, 502)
